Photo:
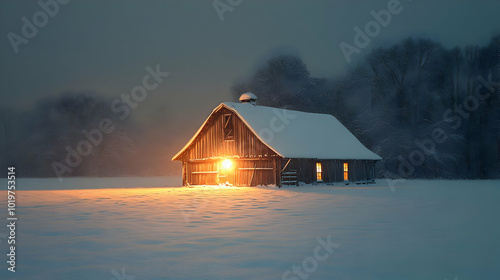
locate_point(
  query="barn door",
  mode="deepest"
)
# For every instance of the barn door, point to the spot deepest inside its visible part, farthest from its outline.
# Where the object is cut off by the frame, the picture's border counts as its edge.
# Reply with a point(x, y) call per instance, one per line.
point(202, 173)
point(255, 172)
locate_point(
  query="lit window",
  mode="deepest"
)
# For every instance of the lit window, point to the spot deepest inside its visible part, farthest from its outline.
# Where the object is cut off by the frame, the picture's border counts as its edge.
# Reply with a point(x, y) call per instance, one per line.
point(346, 171)
point(227, 124)
point(318, 172)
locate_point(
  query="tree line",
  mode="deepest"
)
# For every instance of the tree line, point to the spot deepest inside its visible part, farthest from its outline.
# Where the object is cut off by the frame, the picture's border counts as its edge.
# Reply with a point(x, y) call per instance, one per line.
point(428, 111)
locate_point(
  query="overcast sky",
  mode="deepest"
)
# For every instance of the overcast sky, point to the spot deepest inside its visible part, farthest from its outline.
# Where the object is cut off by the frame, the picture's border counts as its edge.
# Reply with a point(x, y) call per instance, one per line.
point(104, 46)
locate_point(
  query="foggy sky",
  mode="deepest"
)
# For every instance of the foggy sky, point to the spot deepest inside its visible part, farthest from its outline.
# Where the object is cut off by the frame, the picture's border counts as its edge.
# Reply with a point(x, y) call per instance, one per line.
point(104, 47)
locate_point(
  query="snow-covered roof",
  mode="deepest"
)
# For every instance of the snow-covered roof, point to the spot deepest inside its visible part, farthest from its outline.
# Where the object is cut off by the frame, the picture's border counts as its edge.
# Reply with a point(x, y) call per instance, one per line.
point(295, 134)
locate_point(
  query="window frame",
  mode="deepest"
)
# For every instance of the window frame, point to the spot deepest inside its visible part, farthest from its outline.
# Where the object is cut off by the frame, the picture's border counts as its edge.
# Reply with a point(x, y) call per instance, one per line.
point(345, 168)
point(319, 172)
point(226, 125)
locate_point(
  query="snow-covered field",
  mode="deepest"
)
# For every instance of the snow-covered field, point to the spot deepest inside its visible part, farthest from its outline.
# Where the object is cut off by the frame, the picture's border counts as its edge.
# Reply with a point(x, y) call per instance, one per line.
point(423, 230)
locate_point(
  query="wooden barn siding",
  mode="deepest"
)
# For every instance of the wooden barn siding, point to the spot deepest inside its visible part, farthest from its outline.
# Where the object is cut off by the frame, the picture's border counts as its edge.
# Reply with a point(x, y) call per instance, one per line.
point(359, 170)
point(244, 172)
point(306, 169)
point(332, 170)
point(195, 178)
point(210, 142)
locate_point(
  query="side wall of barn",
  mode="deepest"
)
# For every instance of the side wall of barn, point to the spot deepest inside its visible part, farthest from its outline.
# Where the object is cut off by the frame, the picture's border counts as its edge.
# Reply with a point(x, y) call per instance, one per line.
point(358, 170)
point(331, 170)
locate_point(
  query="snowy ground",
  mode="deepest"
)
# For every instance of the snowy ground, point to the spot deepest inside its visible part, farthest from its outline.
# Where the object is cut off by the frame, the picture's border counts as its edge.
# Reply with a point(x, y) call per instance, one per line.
point(423, 230)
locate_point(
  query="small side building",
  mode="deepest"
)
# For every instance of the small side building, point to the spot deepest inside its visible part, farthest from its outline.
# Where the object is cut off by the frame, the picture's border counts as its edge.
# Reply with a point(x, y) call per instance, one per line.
point(246, 144)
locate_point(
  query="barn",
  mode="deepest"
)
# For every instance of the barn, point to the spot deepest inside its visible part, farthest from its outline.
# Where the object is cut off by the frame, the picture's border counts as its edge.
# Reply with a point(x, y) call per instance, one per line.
point(246, 144)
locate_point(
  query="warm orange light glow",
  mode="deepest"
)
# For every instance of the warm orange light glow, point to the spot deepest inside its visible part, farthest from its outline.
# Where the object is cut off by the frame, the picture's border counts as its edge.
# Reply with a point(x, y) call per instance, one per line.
point(319, 177)
point(227, 164)
point(346, 171)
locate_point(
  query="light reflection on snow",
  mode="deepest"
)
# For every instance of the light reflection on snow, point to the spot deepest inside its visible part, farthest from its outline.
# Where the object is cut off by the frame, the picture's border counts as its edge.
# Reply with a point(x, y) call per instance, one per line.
point(425, 230)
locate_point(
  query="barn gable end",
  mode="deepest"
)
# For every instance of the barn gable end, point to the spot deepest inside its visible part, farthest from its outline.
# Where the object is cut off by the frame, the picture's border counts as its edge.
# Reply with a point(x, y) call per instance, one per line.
point(224, 135)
